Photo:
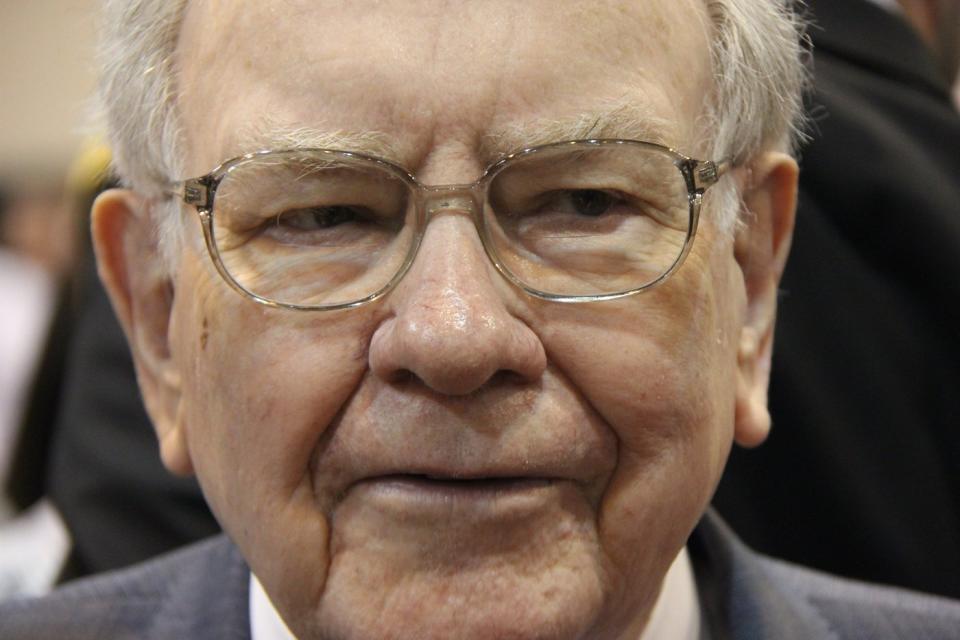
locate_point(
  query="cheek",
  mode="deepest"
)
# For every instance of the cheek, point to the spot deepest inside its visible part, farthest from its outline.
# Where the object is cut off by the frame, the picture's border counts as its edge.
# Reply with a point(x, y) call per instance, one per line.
point(660, 369)
point(267, 404)
point(260, 387)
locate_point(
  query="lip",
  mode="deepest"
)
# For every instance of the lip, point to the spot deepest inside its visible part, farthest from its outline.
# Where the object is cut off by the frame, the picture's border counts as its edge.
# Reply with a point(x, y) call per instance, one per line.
point(412, 492)
point(456, 486)
point(392, 481)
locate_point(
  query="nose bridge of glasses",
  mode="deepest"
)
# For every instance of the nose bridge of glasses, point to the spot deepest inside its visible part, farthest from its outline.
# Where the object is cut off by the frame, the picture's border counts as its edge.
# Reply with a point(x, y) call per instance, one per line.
point(453, 198)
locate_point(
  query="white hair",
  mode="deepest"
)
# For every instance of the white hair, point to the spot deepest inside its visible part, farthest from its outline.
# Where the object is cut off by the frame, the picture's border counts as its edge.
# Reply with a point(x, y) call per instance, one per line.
point(138, 104)
point(757, 60)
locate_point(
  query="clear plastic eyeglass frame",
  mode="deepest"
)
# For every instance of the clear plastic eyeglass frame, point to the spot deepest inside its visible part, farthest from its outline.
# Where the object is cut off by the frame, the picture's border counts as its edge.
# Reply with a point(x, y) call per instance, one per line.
point(201, 193)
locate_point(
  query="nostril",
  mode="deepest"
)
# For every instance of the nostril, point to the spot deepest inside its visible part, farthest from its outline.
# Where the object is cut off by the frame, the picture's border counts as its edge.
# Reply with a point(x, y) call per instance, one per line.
point(401, 377)
point(508, 378)
point(456, 362)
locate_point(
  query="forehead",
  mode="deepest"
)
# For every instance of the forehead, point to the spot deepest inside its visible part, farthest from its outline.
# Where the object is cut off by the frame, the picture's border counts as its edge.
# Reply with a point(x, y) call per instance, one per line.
point(407, 77)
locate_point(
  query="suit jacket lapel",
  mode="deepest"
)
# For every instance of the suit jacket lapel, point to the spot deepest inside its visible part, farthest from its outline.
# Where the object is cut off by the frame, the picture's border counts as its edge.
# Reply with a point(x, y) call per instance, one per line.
point(739, 598)
point(209, 599)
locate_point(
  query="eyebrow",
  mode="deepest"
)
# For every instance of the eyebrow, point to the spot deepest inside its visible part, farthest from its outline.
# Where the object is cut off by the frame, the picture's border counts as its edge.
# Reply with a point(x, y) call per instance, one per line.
point(269, 134)
point(626, 120)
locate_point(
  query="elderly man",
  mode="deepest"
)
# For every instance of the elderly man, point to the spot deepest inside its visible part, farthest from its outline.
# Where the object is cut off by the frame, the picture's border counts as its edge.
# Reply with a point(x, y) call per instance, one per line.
point(456, 334)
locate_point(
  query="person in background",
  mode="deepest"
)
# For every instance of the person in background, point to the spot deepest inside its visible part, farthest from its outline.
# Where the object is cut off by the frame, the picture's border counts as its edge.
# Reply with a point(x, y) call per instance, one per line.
point(864, 378)
point(35, 252)
point(28, 291)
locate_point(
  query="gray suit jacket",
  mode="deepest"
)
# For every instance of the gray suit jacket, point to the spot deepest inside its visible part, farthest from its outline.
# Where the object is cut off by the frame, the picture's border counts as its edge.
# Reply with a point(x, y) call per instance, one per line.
point(202, 592)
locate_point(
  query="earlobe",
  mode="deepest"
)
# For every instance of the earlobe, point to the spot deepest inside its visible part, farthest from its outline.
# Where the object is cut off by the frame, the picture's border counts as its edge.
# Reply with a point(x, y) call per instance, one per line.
point(761, 247)
point(752, 422)
point(142, 294)
point(174, 450)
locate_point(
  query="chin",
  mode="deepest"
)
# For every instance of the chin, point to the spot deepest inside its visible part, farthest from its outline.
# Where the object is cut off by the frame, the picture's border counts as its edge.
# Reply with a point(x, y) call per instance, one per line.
point(481, 599)
point(451, 613)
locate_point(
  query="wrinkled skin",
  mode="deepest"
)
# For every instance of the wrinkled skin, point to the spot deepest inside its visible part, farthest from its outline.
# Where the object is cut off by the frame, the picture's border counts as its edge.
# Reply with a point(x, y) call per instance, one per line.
point(618, 416)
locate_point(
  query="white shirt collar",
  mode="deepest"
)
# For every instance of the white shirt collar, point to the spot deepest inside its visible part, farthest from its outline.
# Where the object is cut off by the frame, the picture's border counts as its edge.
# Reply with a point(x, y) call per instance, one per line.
point(265, 622)
point(676, 613)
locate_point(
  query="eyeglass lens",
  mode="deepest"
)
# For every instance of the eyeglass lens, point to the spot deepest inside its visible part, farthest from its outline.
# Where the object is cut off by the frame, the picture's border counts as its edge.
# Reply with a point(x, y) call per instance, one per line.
point(318, 229)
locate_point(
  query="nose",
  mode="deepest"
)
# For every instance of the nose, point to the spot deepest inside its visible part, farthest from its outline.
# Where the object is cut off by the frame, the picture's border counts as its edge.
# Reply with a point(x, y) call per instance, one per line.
point(451, 327)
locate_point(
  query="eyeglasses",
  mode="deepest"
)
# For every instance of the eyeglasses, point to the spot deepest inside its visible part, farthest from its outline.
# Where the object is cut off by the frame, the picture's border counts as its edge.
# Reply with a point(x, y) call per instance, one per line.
point(578, 221)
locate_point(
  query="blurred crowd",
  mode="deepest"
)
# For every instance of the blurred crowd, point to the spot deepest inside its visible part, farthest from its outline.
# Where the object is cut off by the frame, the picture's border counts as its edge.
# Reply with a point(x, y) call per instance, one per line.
point(42, 243)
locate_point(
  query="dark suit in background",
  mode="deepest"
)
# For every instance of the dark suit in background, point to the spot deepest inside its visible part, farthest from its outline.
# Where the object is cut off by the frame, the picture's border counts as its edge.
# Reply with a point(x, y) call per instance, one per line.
point(861, 474)
point(106, 479)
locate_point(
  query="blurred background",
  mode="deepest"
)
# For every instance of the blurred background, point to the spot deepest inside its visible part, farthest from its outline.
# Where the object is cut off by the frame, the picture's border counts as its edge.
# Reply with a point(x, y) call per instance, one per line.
point(46, 75)
point(46, 80)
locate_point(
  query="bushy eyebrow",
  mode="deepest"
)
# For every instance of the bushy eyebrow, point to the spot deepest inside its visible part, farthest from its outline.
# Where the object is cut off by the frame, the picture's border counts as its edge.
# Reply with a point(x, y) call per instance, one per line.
point(625, 120)
point(269, 134)
point(628, 120)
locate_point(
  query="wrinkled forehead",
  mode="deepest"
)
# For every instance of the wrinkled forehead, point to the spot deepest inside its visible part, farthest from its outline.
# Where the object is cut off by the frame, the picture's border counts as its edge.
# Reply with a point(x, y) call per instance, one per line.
point(492, 76)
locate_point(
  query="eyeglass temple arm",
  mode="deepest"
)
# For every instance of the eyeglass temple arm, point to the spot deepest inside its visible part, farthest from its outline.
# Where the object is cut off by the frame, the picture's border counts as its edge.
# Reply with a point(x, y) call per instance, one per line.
point(196, 191)
point(709, 172)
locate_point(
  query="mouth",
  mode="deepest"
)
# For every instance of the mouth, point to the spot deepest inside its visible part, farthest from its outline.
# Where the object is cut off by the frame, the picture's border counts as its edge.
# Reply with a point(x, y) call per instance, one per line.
point(416, 491)
point(489, 484)
point(448, 519)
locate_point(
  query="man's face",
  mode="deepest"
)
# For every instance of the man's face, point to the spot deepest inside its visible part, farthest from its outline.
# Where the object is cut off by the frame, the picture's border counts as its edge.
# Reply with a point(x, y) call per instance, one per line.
point(457, 459)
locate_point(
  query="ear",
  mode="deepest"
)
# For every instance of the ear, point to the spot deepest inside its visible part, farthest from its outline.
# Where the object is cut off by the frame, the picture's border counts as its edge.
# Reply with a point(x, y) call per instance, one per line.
point(761, 246)
point(142, 294)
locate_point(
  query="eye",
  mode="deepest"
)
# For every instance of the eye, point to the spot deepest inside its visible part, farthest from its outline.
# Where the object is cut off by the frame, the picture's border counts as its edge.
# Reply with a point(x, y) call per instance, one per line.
point(580, 203)
point(590, 202)
point(317, 218)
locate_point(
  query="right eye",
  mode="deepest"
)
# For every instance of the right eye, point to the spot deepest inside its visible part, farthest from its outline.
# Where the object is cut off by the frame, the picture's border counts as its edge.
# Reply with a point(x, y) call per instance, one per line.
point(318, 218)
point(330, 226)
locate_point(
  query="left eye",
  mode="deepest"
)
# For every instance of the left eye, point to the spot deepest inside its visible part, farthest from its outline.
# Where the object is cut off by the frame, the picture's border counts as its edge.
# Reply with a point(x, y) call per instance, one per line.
point(316, 218)
point(588, 202)
point(578, 203)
